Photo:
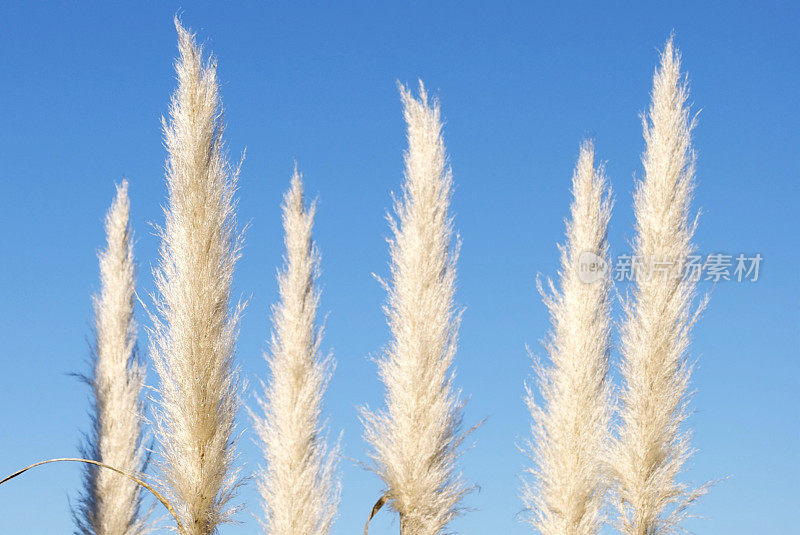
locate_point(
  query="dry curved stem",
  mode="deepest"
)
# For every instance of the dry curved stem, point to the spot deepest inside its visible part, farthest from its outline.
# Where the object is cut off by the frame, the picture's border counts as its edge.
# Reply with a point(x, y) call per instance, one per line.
point(152, 490)
point(375, 508)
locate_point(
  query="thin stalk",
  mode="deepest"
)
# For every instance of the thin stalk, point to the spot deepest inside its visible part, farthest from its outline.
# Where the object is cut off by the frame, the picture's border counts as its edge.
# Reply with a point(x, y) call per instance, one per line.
point(152, 490)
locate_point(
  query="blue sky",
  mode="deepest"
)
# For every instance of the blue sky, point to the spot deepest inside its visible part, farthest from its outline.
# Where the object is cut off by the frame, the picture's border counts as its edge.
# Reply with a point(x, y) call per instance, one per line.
point(85, 86)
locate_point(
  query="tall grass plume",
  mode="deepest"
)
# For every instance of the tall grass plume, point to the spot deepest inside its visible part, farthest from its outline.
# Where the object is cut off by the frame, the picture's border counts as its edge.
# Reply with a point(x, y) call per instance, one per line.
point(111, 503)
point(565, 496)
point(195, 327)
point(652, 447)
point(415, 438)
point(297, 485)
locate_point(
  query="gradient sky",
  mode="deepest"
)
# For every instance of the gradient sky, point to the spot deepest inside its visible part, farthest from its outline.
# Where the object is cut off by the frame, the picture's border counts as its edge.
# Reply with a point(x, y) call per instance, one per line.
point(85, 86)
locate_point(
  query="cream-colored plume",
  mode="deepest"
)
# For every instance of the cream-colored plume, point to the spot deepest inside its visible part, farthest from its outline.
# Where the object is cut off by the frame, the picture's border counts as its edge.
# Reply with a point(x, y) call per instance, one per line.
point(651, 448)
point(110, 504)
point(298, 488)
point(570, 424)
point(195, 329)
point(415, 438)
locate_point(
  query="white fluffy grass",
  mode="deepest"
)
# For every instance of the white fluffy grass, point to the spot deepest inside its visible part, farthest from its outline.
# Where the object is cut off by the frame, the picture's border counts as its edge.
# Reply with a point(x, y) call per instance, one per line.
point(570, 424)
point(195, 331)
point(110, 504)
point(415, 438)
point(297, 486)
point(652, 448)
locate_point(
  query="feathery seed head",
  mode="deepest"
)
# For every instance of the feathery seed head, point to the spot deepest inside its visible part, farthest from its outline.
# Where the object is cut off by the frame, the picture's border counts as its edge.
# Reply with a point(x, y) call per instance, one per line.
point(110, 504)
point(570, 424)
point(195, 331)
point(298, 488)
point(415, 438)
point(651, 448)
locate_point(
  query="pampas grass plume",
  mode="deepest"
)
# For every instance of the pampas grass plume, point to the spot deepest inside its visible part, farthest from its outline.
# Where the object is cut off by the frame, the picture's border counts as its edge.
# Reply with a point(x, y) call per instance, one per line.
point(195, 329)
point(651, 447)
point(110, 504)
point(570, 424)
point(297, 486)
point(415, 438)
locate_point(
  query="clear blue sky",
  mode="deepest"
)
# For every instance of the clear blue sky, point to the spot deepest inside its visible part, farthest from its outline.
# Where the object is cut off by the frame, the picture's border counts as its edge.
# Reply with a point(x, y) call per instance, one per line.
point(84, 88)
